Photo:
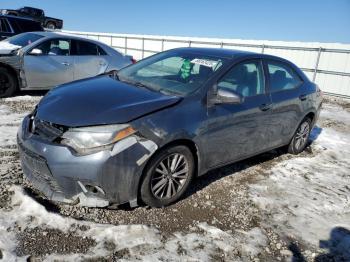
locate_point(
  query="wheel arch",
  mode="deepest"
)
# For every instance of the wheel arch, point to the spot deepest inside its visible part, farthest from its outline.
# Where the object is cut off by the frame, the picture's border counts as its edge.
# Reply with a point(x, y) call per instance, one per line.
point(310, 114)
point(190, 144)
point(13, 71)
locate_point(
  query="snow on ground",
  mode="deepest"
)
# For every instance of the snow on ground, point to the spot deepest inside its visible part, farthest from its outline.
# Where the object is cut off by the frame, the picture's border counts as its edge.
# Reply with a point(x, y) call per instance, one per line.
point(142, 242)
point(9, 123)
point(307, 196)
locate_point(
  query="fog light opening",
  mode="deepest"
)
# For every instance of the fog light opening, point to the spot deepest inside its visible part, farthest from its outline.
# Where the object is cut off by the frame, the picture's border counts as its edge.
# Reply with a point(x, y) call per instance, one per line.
point(94, 189)
point(91, 189)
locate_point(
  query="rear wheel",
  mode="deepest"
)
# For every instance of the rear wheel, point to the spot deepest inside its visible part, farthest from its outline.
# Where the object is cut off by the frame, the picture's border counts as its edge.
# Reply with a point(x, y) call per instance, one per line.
point(301, 137)
point(167, 176)
point(51, 25)
point(8, 83)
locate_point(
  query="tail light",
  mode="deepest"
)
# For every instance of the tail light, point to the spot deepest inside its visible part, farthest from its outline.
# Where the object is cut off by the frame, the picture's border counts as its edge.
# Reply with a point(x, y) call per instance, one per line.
point(133, 60)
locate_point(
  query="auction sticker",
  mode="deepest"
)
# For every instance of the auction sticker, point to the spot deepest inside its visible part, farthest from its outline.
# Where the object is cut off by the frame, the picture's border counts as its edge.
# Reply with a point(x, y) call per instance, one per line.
point(204, 62)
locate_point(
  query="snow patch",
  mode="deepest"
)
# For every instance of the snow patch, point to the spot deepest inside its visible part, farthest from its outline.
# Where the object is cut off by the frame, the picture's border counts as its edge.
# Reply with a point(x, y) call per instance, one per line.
point(9, 123)
point(308, 197)
point(142, 242)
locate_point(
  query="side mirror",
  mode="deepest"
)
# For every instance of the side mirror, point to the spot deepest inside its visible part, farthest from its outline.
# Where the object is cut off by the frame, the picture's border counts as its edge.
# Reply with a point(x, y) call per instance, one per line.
point(226, 96)
point(35, 51)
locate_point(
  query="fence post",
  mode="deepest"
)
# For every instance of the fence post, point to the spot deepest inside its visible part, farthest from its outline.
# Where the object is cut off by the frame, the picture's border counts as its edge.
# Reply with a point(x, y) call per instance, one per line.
point(222, 44)
point(143, 47)
point(263, 48)
point(126, 45)
point(162, 45)
point(316, 64)
point(111, 40)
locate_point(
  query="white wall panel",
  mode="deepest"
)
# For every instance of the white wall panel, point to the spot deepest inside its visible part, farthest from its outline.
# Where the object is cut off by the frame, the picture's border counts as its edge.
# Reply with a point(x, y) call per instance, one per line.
point(328, 61)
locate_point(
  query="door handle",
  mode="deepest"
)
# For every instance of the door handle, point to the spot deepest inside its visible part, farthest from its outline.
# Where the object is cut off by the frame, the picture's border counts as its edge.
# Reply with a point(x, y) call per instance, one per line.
point(302, 97)
point(65, 63)
point(102, 63)
point(265, 107)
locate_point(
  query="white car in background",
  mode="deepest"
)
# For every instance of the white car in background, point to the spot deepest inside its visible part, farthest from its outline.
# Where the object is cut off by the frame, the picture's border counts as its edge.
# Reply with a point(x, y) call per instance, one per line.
point(42, 60)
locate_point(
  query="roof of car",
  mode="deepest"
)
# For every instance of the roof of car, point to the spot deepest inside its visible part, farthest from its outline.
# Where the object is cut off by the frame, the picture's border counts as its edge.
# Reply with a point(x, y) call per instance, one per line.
point(229, 53)
point(222, 52)
point(50, 35)
point(71, 36)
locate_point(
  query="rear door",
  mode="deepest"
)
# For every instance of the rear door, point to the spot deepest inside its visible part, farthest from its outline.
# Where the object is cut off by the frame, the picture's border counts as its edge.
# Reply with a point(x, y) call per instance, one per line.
point(285, 88)
point(235, 131)
point(53, 67)
point(89, 59)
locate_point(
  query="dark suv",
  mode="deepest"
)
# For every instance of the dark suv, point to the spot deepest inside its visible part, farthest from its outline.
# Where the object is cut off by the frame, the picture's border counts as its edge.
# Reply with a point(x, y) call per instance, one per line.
point(145, 134)
point(12, 25)
point(35, 14)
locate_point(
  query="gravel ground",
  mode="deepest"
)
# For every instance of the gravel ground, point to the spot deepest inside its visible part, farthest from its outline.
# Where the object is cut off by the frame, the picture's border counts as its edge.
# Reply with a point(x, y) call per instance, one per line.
point(221, 199)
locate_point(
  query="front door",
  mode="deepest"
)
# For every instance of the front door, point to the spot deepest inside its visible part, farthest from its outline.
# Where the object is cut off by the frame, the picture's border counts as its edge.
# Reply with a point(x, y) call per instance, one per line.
point(52, 66)
point(235, 131)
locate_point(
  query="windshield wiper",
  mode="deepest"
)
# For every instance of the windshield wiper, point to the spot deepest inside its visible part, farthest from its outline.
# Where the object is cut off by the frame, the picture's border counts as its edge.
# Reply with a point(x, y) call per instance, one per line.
point(170, 92)
point(139, 84)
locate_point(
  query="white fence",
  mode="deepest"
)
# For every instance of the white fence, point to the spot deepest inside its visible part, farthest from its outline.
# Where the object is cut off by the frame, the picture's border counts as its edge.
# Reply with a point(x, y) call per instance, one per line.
point(327, 64)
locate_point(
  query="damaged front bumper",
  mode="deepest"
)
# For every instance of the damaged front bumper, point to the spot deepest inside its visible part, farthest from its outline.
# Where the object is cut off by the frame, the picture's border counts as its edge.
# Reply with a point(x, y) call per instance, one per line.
point(96, 180)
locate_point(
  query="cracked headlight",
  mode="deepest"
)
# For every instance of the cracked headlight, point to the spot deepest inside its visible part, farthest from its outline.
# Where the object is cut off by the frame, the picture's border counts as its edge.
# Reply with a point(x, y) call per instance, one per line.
point(87, 140)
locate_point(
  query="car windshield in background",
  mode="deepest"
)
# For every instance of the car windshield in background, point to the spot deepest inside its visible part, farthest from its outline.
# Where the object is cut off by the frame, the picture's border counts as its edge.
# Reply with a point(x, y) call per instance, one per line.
point(24, 39)
point(178, 73)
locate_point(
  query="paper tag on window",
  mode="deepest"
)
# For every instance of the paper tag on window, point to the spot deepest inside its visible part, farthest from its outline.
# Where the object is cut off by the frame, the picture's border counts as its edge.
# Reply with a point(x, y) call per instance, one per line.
point(204, 62)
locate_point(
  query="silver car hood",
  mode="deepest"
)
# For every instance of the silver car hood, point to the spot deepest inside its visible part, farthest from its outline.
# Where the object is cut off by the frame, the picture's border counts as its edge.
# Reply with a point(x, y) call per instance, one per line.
point(6, 48)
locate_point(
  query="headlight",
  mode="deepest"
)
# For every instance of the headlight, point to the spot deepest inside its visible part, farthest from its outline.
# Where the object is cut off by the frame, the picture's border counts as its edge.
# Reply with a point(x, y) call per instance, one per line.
point(86, 140)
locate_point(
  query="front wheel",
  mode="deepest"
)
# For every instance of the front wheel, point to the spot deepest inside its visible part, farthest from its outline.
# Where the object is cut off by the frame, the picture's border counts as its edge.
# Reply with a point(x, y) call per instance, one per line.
point(167, 176)
point(300, 138)
point(8, 83)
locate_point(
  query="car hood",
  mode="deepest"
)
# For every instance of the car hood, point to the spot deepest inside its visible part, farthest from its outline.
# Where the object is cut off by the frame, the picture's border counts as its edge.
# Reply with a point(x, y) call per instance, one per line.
point(6, 48)
point(100, 100)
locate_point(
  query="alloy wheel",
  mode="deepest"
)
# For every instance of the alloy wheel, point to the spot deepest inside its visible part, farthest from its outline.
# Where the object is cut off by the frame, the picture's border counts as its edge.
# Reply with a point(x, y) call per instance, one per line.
point(302, 135)
point(169, 176)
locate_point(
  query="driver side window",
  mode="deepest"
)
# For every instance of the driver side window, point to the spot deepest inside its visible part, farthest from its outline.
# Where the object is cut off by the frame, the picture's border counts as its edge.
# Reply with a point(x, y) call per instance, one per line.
point(245, 79)
point(55, 47)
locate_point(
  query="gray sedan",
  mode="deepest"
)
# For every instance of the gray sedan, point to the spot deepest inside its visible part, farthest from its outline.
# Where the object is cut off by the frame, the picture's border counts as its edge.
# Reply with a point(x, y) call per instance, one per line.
point(42, 60)
point(144, 134)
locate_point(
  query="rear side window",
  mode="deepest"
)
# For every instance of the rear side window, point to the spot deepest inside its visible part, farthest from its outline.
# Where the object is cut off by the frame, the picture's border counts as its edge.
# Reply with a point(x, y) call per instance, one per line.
point(84, 48)
point(246, 79)
point(27, 26)
point(5, 26)
point(282, 76)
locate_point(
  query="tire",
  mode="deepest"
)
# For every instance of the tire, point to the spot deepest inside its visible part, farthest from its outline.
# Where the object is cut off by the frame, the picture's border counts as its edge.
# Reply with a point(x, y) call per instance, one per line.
point(155, 193)
point(300, 138)
point(51, 25)
point(8, 83)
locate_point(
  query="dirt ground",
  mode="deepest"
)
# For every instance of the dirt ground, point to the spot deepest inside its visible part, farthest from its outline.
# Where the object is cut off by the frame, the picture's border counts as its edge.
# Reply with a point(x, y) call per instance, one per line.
point(221, 199)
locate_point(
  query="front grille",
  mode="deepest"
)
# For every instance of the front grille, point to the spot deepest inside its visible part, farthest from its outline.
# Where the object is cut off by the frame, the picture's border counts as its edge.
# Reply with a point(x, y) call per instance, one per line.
point(38, 168)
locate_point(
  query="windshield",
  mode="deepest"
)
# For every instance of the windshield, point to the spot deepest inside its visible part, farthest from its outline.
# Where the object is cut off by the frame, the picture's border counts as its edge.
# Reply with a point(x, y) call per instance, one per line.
point(172, 72)
point(23, 40)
